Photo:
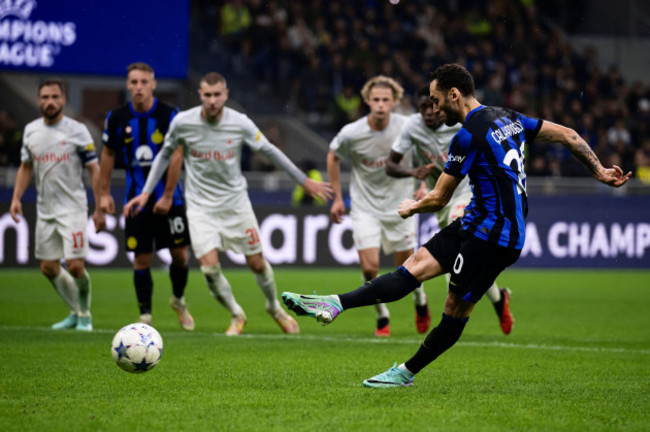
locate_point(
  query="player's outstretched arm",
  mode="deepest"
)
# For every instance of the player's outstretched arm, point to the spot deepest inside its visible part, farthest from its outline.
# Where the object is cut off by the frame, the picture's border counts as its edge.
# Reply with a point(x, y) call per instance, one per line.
point(23, 176)
point(106, 164)
point(434, 200)
point(553, 132)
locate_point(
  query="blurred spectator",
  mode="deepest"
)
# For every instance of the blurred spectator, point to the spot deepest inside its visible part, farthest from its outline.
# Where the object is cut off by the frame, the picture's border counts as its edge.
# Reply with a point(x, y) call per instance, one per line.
point(308, 52)
point(642, 161)
point(11, 138)
point(298, 197)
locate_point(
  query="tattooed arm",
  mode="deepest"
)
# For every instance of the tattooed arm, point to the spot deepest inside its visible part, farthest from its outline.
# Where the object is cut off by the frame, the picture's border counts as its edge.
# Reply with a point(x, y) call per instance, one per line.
point(552, 133)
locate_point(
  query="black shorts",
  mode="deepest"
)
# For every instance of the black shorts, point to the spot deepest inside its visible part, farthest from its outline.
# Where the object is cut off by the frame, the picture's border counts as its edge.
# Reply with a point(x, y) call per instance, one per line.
point(474, 264)
point(168, 231)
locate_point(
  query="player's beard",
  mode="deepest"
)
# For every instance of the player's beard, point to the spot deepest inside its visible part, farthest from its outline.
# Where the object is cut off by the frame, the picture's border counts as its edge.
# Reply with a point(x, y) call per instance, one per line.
point(451, 116)
point(51, 114)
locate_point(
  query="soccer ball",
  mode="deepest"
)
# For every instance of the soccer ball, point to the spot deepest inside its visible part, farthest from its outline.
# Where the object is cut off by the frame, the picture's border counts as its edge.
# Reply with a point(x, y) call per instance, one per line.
point(137, 348)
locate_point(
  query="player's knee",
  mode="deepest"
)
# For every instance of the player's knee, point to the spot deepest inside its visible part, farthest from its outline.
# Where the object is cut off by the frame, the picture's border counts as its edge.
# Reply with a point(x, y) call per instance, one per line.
point(50, 269)
point(179, 256)
point(76, 268)
point(257, 264)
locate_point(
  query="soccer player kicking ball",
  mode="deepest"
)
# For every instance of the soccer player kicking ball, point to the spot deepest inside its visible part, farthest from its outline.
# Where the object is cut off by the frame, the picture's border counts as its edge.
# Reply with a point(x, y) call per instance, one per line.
point(478, 246)
point(56, 148)
point(219, 212)
point(425, 135)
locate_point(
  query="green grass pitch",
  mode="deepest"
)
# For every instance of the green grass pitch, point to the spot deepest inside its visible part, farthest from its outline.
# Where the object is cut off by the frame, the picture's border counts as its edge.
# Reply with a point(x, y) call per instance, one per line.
point(578, 359)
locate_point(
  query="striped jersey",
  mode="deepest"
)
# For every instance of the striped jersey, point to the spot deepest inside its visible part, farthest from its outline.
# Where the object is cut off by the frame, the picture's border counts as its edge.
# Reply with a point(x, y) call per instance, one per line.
point(137, 138)
point(490, 150)
point(58, 153)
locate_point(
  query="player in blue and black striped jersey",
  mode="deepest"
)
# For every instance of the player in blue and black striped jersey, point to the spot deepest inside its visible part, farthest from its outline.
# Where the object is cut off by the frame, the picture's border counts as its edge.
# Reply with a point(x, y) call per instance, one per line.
point(134, 133)
point(476, 247)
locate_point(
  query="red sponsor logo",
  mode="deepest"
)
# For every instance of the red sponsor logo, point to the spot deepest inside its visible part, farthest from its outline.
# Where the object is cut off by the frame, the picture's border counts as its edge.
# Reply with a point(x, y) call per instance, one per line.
point(436, 157)
point(213, 155)
point(52, 157)
point(380, 163)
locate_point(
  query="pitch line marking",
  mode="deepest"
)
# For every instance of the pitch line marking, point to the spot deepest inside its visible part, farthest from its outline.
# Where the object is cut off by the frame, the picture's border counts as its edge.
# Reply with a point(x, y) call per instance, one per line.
point(347, 339)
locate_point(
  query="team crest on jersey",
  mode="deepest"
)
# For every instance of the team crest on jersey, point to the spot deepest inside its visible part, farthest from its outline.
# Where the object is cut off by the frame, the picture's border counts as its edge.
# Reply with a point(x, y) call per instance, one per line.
point(157, 137)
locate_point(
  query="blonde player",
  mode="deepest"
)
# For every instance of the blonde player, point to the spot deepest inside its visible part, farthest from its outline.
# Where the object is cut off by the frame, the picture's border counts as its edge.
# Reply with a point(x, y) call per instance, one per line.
point(56, 148)
point(374, 195)
point(219, 212)
point(427, 136)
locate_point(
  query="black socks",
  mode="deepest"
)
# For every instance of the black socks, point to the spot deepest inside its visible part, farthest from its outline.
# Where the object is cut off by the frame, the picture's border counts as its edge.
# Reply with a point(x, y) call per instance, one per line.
point(383, 289)
point(439, 340)
point(143, 289)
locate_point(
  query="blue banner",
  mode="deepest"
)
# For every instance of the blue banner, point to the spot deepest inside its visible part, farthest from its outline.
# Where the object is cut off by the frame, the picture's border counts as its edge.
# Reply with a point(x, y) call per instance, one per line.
point(94, 37)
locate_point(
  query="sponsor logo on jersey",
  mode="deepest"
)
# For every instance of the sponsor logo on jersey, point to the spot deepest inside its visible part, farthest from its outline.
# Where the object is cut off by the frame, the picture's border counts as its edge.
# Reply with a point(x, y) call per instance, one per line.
point(51, 157)
point(128, 140)
point(63, 143)
point(442, 157)
point(374, 163)
point(157, 137)
point(212, 155)
point(144, 155)
point(458, 159)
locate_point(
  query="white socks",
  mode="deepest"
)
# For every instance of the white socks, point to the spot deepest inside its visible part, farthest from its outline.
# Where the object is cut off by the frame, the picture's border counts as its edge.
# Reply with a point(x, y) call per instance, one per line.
point(493, 293)
point(419, 296)
point(266, 282)
point(67, 289)
point(220, 289)
point(84, 286)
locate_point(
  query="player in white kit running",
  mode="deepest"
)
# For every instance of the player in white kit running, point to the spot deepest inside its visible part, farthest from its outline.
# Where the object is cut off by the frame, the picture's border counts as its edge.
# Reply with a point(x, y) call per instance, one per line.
point(56, 148)
point(374, 196)
point(219, 212)
point(428, 137)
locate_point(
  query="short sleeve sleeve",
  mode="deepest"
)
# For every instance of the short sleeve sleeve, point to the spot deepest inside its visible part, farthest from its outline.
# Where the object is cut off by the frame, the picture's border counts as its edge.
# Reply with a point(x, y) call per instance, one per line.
point(461, 154)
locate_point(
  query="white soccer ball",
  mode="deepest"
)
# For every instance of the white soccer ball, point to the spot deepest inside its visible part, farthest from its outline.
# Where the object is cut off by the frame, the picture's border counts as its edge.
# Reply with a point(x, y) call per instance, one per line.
point(137, 348)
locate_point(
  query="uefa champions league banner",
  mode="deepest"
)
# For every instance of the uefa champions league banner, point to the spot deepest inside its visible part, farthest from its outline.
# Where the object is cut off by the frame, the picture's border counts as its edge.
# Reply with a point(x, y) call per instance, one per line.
point(562, 232)
point(94, 37)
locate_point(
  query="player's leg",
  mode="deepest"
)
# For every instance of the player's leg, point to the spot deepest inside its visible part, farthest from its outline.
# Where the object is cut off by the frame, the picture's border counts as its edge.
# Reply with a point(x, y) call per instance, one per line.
point(367, 236)
point(138, 231)
point(473, 270)
point(64, 285)
point(49, 250)
point(221, 290)
point(72, 230)
point(266, 281)
point(81, 277)
point(178, 273)
point(172, 231)
point(369, 261)
point(422, 314)
point(500, 298)
point(143, 283)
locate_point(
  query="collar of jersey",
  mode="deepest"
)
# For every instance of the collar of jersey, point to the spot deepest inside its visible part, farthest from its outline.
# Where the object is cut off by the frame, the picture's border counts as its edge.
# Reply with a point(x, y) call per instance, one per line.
point(469, 114)
point(144, 114)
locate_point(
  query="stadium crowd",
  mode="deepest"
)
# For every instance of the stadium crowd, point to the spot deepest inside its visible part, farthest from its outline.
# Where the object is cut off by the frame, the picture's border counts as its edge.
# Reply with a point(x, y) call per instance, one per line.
point(311, 58)
point(316, 55)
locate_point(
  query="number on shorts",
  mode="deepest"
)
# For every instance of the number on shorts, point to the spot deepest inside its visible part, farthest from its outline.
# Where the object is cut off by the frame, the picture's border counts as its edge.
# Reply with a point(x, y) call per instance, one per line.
point(255, 237)
point(77, 239)
point(458, 264)
point(176, 225)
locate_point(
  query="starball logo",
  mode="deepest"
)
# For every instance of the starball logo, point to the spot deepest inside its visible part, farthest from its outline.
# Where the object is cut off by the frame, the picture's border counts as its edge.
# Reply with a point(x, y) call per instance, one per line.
point(19, 8)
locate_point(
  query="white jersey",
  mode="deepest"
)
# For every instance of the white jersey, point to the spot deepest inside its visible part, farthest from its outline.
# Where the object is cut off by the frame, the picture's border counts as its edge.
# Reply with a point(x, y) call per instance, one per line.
point(430, 146)
point(58, 153)
point(212, 156)
point(371, 189)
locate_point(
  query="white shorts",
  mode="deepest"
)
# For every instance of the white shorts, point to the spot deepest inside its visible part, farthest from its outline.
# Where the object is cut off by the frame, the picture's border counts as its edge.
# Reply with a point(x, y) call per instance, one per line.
point(454, 209)
point(64, 237)
point(394, 236)
point(234, 229)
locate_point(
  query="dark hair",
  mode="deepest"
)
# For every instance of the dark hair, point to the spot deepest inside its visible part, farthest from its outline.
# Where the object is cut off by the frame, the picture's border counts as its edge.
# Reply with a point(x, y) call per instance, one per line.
point(453, 75)
point(139, 66)
point(52, 82)
point(423, 92)
point(213, 78)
